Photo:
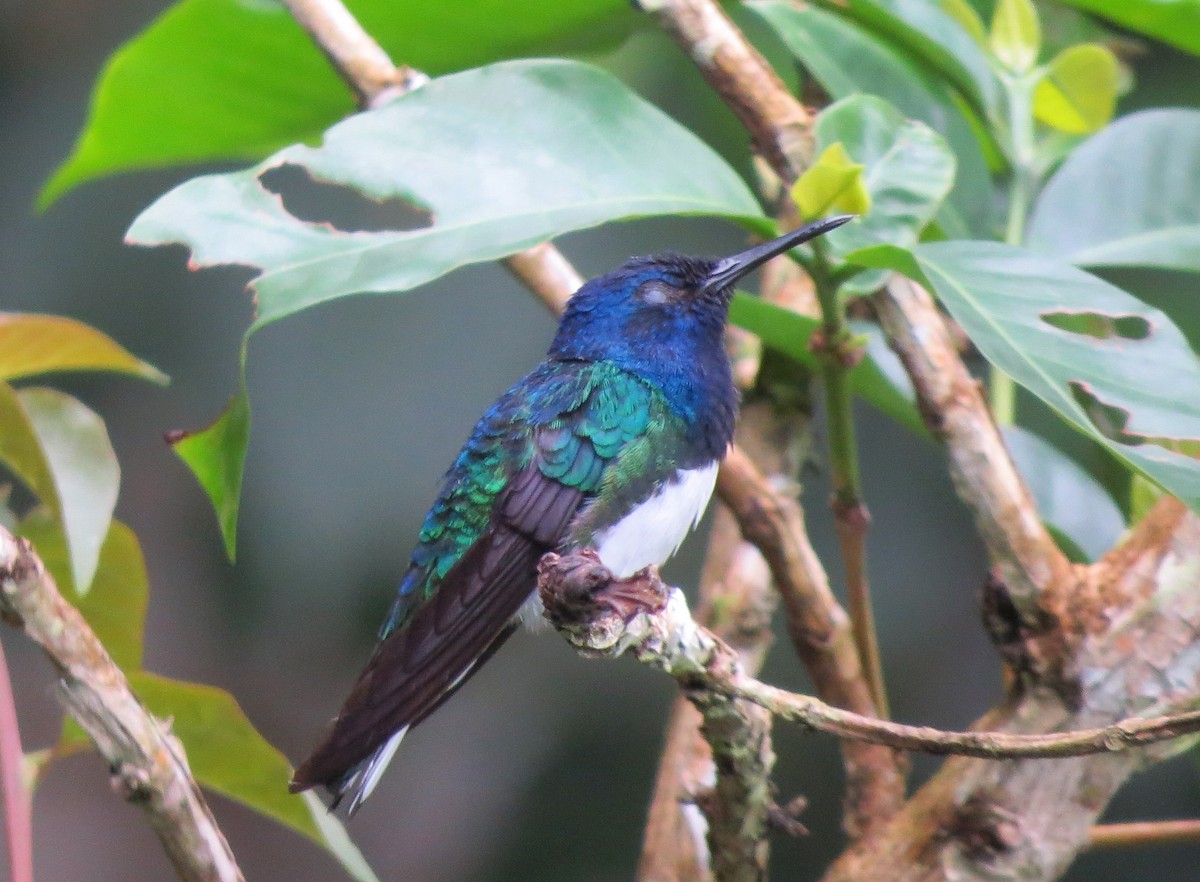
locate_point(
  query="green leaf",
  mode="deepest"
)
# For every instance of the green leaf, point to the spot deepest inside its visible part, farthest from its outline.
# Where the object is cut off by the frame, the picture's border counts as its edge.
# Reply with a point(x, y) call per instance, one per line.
point(933, 36)
point(847, 60)
point(175, 79)
point(217, 457)
point(115, 607)
point(60, 450)
point(38, 344)
point(1072, 503)
point(496, 160)
point(1114, 368)
point(909, 171)
point(1078, 94)
point(228, 755)
point(877, 379)
point(1122, 199)
point(834, 181)
point(1016, 35)
point(502, 158)
point(1176, 22)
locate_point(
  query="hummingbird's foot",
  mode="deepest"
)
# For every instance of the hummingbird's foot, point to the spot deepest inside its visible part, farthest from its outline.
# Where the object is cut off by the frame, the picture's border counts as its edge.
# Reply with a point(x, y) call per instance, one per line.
point(578, 589)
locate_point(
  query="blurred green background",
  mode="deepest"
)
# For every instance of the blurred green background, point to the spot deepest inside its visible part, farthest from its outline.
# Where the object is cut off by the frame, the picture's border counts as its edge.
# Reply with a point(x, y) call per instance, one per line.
point(542, 767)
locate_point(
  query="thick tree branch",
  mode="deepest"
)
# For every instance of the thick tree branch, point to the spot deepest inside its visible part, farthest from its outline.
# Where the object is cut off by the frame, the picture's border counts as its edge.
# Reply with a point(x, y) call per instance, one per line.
point(1132, 654)
point(780, 126)
point(1024, 555)
point(149, 765)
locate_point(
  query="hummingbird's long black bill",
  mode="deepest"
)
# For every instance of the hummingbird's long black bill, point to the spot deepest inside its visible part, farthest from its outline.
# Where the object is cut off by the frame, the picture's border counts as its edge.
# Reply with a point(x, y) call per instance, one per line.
point(730, 269)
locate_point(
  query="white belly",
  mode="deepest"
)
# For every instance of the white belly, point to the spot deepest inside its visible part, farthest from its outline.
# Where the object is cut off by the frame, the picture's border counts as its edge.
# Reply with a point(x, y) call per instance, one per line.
point(652, 531)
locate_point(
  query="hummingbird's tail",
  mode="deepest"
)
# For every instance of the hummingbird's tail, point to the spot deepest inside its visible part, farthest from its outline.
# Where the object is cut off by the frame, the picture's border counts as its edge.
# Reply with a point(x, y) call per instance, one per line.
point(360, 780)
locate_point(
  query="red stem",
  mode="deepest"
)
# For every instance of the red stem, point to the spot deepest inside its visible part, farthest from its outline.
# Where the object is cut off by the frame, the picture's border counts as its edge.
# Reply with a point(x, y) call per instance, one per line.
point(18, 821)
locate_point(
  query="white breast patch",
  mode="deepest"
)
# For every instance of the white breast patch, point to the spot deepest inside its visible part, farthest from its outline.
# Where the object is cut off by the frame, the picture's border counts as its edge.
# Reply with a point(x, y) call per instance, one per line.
point(653, 530)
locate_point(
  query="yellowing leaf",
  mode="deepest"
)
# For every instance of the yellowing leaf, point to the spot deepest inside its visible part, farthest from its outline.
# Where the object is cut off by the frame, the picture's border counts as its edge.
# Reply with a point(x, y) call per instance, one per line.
point(38, 344)
point(228, 755)
point(115, 607)
point(834, 181)
point(1016, 35)
point(1079, 91)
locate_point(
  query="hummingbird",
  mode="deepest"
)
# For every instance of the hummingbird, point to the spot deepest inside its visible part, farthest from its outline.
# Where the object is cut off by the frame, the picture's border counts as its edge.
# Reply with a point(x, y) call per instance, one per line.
point(612, 443)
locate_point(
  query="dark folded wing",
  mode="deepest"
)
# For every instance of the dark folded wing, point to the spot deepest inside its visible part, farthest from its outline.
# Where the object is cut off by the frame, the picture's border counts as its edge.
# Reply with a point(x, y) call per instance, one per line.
point(418, 665)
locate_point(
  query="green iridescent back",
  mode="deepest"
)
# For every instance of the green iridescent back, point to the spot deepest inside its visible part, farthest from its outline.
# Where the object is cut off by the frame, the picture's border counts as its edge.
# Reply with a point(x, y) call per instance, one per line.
point(586, 425)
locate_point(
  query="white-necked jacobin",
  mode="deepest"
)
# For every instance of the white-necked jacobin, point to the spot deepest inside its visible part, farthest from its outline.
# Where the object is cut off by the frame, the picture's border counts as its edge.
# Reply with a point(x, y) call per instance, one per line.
point(611, 443)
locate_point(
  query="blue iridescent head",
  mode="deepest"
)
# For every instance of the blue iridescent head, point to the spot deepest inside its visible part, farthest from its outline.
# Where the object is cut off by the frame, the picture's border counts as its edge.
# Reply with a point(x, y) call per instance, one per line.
point(663, 317)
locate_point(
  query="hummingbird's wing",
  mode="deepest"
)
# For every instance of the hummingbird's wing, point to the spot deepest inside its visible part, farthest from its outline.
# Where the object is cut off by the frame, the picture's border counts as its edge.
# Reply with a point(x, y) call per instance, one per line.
point(533, 462)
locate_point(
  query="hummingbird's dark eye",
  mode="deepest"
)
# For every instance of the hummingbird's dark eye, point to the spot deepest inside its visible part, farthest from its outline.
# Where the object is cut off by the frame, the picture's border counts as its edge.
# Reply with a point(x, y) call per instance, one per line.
point(656, 292)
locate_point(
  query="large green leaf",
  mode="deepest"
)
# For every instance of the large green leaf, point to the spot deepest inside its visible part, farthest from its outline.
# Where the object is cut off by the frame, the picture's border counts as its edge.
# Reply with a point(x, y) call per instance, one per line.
point(1173, 21)
point(502, 158)
point(38, 344)
point(1077, 509)
point(909, 171)
point(1114, 368)
point(236, 79)
point(846, 60)
point(877, 379)
point(1126, 197)
point(497, 159)
point(115, 607)
point(60, 450)
point(228, 755)
point(935, 37)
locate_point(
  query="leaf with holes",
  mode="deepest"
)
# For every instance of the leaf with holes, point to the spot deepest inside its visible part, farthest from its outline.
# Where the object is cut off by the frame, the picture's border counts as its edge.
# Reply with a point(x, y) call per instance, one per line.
point(484, 163)
point(494, 160)
point(1114, 368)
point(175, 78)
point(1120, 200)
point(38, 344)
point(60, 450)
point(909, 171)
point(847, 59)
point(879, 379)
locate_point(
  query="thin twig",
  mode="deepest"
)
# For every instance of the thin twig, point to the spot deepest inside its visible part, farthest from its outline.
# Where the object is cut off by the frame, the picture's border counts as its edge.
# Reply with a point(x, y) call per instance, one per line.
point(375, 80)
point(1021, 550)
point(603, 616)
point(149, 765)
point(780, 126)
point(354, 54)
point(1142, 833)
point(18, 820)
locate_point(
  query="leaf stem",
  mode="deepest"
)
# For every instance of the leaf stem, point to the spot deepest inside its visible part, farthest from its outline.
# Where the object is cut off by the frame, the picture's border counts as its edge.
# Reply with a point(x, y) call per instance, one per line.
point(1022, 185)
point(18, 820)
point(839, 352)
